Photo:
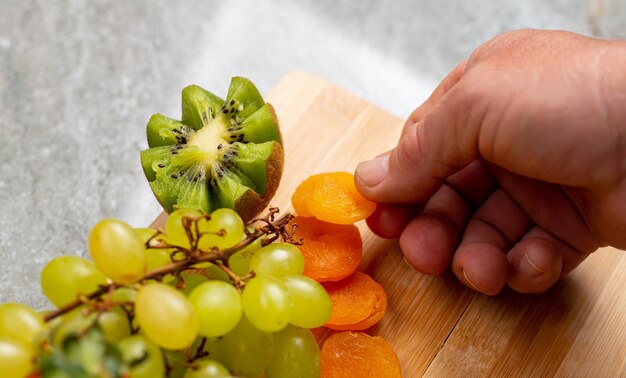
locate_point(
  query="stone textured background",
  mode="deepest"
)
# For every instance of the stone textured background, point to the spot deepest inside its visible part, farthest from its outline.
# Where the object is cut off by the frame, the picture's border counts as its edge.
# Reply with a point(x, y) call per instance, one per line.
point(79, 80)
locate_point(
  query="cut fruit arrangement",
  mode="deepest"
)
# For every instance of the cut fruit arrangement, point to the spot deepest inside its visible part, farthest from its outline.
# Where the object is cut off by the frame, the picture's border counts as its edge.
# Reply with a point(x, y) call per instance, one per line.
point(223, 153)
point(219, 291)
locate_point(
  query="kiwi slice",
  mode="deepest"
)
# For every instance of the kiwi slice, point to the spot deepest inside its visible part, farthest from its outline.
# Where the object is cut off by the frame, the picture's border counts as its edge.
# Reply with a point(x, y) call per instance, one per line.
point(223, 153)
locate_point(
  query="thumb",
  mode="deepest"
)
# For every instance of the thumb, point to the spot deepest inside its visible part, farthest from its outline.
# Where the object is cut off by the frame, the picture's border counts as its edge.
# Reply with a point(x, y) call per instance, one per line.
point(439, 144)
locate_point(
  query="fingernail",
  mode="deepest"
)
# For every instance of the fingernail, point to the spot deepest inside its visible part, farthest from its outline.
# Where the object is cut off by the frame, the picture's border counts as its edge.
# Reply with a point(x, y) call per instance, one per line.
point(470, 282)
point(528, 267)
point(373, 172)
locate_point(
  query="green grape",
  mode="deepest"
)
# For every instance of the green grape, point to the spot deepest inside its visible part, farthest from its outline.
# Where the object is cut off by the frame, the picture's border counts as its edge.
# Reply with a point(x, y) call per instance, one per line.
point(124, 294)
point(215, 347)
point(278, 259)
point(145, 234)
point(166, 316)
point(71, 324)
point(64, 277)
point(191, 281)
point(213, 272)
point(202, 265)
point(156, 258)
point(239, 262)
point(218, 306)
point(309, 304)
point(117, 251)
point(265, 303)
point(20, 322)
point(211, 346)
point(175, 233)
point(296, 354)
point(176, 362)
point(51, 325)
point(143, 357)
point(205, 368)
point(225, 230)
point(114, 324)
point(15, 359)
point(247, 350)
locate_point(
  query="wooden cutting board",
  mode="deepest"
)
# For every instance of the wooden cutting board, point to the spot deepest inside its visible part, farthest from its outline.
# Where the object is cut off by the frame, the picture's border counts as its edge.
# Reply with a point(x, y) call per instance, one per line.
point(437, 326)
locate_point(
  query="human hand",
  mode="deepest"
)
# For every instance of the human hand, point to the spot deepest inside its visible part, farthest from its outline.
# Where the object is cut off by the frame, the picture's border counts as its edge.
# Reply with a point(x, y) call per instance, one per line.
point(514, 170)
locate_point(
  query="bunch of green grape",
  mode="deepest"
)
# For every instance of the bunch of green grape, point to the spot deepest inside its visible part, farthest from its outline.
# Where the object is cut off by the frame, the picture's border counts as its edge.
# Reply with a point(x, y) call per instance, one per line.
point(187, 303)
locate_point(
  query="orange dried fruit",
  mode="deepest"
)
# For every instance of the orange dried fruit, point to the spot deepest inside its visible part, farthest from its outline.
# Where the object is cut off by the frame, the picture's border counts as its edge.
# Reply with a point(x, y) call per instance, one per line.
point(300, 197)
point(378, 312)
point(356, 354)
point(351, 301)
point(331, 197)
point(331, 251)
point(358, 302)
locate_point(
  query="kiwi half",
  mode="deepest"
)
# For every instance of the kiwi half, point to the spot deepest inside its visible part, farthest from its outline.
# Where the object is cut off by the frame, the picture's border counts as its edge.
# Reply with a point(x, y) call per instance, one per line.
point(223, 153)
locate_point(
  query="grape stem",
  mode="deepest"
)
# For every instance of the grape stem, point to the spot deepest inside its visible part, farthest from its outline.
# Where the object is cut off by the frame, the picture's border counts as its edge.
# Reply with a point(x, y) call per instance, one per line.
point(272, 228)
point(72, 305)
point(239, 283)
point(200, 352)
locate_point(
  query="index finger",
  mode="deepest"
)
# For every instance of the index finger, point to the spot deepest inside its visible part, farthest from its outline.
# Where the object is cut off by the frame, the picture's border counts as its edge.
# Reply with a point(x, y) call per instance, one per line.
point(446, 84)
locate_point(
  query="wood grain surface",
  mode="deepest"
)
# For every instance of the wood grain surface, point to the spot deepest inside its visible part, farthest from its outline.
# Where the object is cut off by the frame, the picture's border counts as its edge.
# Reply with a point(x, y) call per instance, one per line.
point(437, 326)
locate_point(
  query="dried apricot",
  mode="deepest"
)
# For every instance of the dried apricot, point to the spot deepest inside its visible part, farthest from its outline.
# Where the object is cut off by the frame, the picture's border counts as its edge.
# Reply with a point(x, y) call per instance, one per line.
point(356, 354)
point(331, 251)
point(331, 197)
point(358, 302)
point(378, 312)
point(300, 197)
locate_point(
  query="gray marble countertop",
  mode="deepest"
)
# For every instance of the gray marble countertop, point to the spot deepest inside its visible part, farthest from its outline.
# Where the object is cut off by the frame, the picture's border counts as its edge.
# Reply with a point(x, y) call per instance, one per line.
point(79, 80)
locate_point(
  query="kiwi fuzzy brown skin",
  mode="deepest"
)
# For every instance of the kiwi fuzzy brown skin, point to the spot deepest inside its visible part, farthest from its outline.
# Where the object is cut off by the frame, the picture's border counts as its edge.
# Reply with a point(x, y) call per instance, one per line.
point(274, 169)
point(251, 203)
point(280, 134)
point(244, 197)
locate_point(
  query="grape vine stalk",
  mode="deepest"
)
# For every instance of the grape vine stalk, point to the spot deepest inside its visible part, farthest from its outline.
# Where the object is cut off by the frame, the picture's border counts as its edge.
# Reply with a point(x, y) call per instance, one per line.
point(267, 226)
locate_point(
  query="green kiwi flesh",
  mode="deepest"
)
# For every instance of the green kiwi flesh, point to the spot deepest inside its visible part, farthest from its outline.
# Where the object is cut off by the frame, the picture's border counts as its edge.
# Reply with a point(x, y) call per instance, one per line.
point(164, 131)
point(196, 102)
point(224, 153)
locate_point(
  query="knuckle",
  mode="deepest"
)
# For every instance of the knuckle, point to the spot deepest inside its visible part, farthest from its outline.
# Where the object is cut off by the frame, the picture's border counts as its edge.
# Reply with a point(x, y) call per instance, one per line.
point(410, 150)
